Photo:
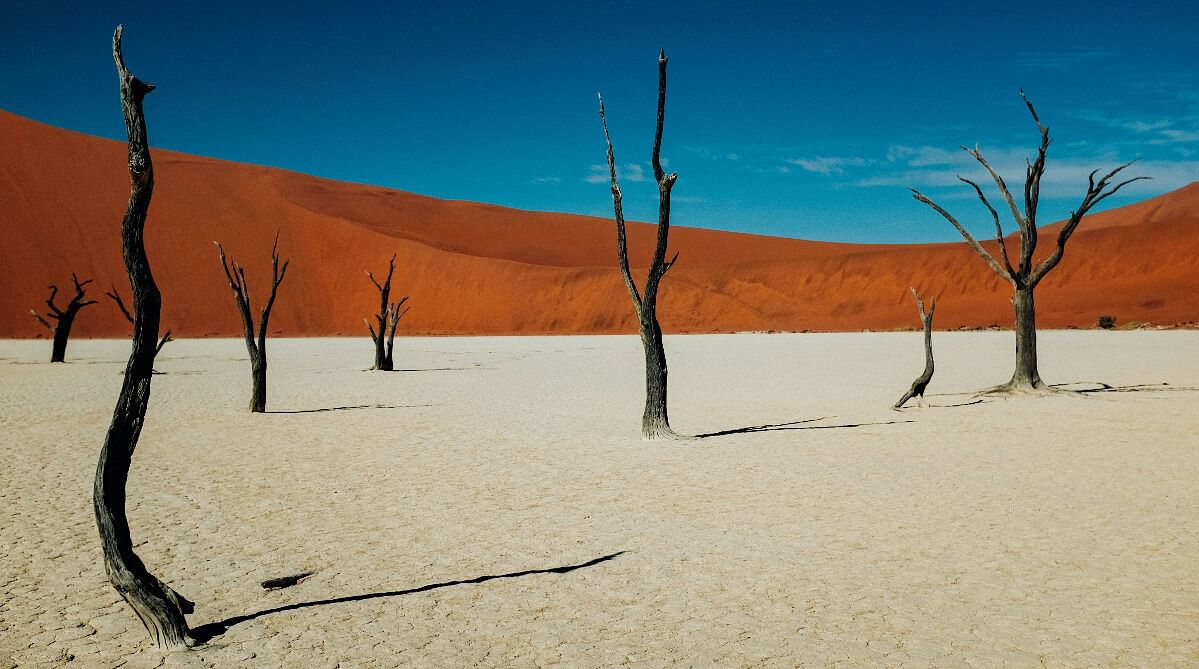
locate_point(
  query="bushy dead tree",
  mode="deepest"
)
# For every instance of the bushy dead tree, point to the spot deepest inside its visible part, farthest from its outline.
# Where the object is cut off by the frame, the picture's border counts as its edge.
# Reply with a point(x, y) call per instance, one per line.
point(159, 607)
point(1026, 275)
point(921, 382)
point(63, 318)
point(236, 274)
point(654, 420)
point(388, 317)
point(116, 297)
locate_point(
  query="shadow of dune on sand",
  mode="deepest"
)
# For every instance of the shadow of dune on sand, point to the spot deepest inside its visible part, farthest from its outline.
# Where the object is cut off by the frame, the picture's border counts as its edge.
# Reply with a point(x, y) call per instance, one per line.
point(210, 631)
point(794, 425)
point(357, 406)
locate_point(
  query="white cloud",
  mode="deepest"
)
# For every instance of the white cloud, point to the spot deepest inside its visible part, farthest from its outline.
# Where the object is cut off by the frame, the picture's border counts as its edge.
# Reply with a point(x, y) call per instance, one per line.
point(827, 165)
point(632, 172)
point(552, 181)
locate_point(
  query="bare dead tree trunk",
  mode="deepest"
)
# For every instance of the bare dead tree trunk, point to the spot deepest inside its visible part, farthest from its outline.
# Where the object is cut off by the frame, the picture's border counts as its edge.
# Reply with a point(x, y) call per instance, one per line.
point(387, 319)
point(654, 420)
point(921, 382)
point(236, 274)
point(156, 604)
point(1025, 277)
point(64, 318)
point(116, 297)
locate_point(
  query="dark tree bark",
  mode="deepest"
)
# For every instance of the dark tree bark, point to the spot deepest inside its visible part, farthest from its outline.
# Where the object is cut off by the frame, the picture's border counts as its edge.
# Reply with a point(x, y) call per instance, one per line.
point(388, 317)
point(63, 318)
point(116, 297)
point(921, 382)
point(236, 274)
point(1025, 277)
point(159, 607)
point(655, 422)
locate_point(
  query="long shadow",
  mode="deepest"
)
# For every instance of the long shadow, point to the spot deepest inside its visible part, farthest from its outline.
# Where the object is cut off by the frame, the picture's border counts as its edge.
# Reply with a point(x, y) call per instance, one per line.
point(357, 406)
point(440, 369)
point(794, 425)
point(205, 633)
point(1101, 387)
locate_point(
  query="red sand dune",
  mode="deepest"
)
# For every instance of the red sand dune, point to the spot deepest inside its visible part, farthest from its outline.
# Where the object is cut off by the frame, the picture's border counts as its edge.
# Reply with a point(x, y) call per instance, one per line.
point(481, 269)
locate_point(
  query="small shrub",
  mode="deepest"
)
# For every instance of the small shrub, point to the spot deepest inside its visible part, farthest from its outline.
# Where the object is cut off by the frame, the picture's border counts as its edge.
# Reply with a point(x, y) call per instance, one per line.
point(1107, 322)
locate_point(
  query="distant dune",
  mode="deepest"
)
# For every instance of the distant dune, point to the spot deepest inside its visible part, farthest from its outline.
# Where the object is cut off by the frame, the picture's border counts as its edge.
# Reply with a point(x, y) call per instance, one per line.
point(482, 269)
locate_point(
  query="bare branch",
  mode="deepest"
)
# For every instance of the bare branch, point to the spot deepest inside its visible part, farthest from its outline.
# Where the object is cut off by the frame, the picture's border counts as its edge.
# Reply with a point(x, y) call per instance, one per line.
point(55, 312)
point(45, 323)
point(166, 338)
point(1007, 263)
point(622, 244)
point(1097, 191)
point(919, 302)
point(658, 265)
point(999, 269)
point(116, 297)
point(1000, 184)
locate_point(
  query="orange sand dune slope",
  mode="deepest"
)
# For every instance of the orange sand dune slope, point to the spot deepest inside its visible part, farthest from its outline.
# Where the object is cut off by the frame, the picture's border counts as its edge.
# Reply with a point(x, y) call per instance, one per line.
point(481, 269)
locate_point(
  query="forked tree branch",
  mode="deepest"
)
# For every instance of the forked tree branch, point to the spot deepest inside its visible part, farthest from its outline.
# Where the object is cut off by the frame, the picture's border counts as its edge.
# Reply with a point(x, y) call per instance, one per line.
point(1097, 191)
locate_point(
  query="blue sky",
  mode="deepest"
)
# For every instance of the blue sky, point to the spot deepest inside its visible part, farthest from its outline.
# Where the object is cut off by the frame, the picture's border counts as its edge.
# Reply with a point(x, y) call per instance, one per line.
point(797, 119)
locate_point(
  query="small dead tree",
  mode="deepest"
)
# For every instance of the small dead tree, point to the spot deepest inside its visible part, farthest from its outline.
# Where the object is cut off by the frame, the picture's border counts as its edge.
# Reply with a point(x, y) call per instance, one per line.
point(63, 318)
point(654, 420)
point(388, 317)
point(236, 274)
point(159, 607)
point(116, 297)
point(1026, 275)
point(921, 382)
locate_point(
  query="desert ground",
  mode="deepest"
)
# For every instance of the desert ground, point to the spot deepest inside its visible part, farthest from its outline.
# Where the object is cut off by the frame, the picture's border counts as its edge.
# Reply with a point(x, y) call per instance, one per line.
point(494, 504)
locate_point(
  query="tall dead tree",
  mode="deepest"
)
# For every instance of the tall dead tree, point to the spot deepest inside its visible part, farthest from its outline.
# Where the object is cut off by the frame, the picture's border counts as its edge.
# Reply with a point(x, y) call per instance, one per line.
point(63, 318)
point(654, 420)
point(236, 274)
point(159, 607)
point(116, 297)
point(388, 317)
point(1026, 275)
point(921, 382)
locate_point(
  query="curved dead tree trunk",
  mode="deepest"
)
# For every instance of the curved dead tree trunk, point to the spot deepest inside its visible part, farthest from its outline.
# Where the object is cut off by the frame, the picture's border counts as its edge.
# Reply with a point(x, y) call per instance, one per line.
point(63, 318)
point(654, 420)
point(921, 382)
point(159, 607)
point(1026, 275)
point(116, 297)
point(236, 274)
point(388, 317)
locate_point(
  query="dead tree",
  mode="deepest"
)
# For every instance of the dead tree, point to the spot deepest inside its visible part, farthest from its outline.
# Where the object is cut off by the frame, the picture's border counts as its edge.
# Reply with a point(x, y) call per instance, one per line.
point(388, 317)
point(654, 420)
point(921, 382)
point(64, 318)
point(159, 607)
point(1026, 275)
point(116, 297)
point(236, 274)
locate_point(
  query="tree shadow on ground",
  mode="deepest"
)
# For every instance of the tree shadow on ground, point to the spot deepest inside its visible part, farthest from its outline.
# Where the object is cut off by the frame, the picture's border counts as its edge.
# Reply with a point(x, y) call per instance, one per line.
point(357, 406)
point(794, 425)
point(205, 633)
point(978, 400)
point(1100, 387)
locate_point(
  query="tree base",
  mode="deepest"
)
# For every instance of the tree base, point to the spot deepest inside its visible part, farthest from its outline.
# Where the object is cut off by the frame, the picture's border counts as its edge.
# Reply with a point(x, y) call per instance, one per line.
point(1015, 388)
point(659, 431)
